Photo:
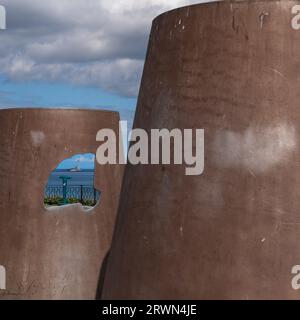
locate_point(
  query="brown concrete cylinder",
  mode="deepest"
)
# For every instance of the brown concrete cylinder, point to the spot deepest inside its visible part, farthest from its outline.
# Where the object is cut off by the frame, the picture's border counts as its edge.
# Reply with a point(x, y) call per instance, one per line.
point(55, 254)
point(233, 232)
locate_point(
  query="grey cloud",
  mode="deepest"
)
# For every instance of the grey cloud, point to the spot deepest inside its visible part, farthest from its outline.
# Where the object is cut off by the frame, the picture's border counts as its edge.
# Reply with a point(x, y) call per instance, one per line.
point(86, 42)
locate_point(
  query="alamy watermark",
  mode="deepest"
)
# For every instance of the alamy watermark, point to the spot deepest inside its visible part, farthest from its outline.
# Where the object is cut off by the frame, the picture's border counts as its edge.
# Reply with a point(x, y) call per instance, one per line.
point(2, 18)
point(2, 278)
point(296, 17)
point(160, 146)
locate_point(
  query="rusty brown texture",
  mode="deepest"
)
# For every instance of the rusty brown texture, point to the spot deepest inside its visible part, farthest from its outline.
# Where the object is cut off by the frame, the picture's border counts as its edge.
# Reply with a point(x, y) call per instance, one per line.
point(52, 254)
point(232, 69)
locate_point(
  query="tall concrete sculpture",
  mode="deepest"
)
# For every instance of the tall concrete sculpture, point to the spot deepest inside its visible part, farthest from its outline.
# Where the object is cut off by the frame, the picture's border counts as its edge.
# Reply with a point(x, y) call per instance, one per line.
point(54, 254)
point(232, 69)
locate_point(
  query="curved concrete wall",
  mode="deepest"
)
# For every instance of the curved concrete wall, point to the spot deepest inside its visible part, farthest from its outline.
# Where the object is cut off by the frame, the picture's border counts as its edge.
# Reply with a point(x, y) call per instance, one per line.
point(53, 254)
point(232, 69)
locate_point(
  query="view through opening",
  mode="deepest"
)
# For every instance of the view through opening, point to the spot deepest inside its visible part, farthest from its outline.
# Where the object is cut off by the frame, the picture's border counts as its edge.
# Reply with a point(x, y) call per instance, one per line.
point(73, 182)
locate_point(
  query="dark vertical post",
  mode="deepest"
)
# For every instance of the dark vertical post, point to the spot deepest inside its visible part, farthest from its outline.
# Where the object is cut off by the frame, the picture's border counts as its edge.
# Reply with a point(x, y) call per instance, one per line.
point(65, 184)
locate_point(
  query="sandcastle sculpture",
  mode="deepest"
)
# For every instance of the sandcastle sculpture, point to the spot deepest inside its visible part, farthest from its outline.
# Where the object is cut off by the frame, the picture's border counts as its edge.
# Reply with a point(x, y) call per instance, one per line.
point(52, 254)
point(231, 68)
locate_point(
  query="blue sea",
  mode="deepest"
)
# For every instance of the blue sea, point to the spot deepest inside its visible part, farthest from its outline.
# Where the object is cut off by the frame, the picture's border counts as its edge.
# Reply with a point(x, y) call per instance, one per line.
point(80, 178)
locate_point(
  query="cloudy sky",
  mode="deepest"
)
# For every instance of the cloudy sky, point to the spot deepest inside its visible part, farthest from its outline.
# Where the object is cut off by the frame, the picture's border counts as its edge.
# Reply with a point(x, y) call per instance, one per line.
point(76, 53)
point(83, 161)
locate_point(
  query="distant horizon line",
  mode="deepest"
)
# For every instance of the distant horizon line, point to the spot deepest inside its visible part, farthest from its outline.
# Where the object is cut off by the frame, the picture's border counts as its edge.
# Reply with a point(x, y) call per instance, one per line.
point(69, 169)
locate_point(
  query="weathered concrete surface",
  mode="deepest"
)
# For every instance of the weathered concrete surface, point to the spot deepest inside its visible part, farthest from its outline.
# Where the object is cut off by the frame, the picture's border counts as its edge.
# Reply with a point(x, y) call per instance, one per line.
point(55, 254)
point(234, 231)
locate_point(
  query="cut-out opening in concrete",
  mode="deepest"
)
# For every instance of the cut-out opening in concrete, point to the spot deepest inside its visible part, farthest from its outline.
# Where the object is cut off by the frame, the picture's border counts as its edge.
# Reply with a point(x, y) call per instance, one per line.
point(72, 182)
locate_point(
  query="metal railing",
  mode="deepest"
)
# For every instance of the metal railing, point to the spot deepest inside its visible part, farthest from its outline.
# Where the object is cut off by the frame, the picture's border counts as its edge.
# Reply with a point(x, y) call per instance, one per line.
point(81, 193)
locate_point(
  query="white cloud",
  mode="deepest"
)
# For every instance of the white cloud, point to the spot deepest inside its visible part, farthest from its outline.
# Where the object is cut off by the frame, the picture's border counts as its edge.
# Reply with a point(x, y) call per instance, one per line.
point(86, 42)
point(86, 158)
